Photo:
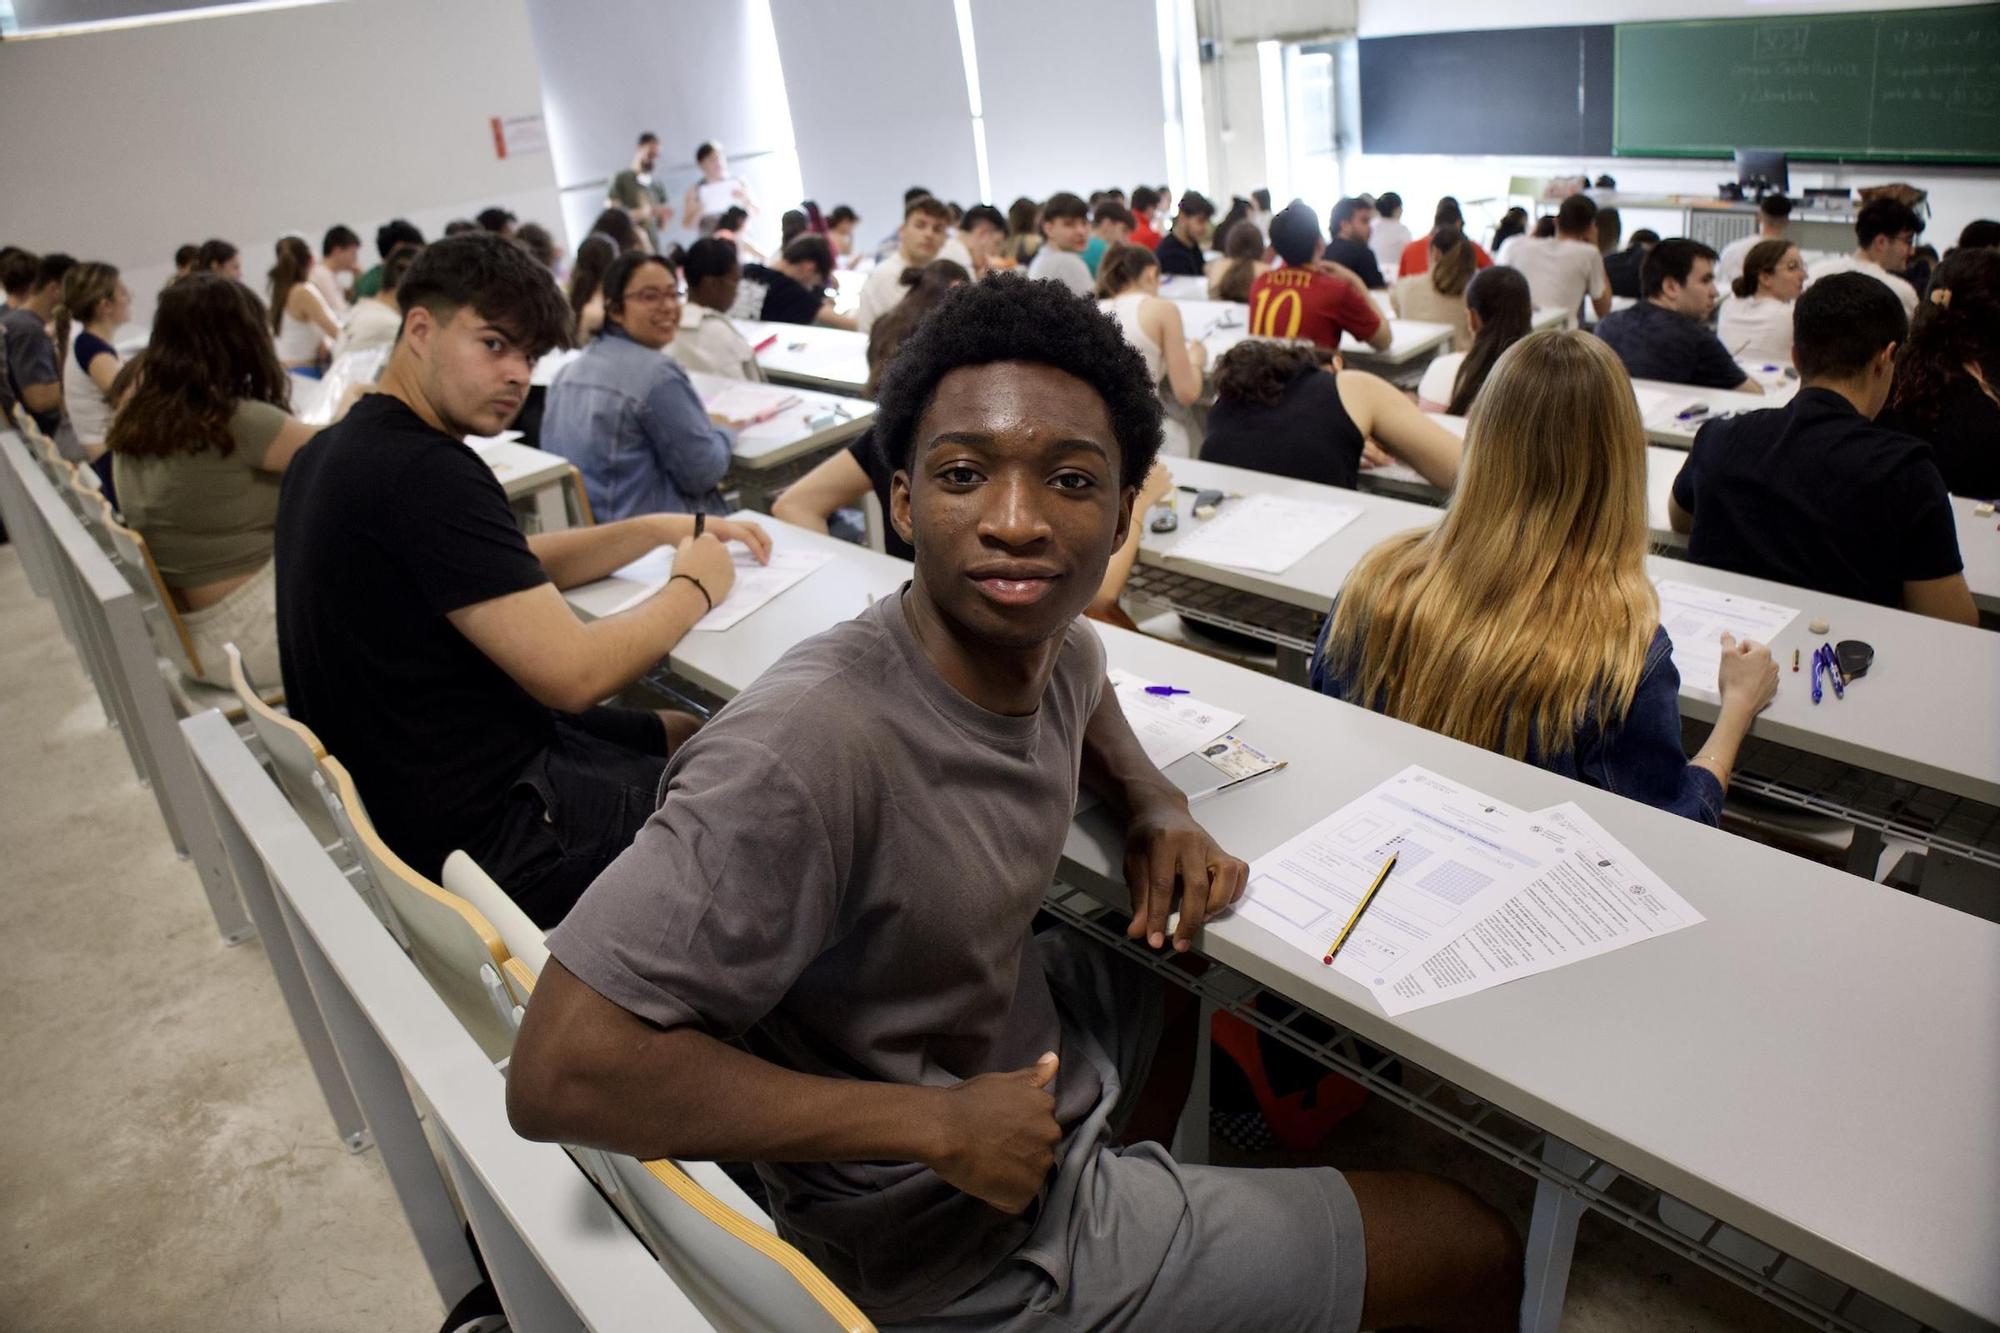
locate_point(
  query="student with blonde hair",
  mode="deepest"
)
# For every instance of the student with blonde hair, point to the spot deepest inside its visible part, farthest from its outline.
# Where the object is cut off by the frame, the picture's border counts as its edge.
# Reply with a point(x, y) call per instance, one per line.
point(95, 303)
point(1437, 295)
point(1524, 622)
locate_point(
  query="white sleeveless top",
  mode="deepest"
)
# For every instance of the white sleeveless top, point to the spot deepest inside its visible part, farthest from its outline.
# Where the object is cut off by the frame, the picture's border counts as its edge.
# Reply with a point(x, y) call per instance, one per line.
point(1125, 309)
point(86, 405)
point(299, 340)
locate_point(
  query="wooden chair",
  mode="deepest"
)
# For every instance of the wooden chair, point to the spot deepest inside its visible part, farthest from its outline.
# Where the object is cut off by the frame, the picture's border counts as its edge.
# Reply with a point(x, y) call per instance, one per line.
point(293, 750)
point(580, 500)
point(451, 942)
point(526, 944)
point(719, 1245)
point(182, 665)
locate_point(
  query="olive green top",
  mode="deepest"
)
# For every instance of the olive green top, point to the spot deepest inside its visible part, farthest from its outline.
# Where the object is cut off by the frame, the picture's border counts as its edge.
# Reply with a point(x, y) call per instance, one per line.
point(207, 516)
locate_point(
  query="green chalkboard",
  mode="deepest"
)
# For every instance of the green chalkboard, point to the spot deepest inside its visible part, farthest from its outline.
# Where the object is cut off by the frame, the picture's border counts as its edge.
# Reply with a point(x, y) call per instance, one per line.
point(1915, 85)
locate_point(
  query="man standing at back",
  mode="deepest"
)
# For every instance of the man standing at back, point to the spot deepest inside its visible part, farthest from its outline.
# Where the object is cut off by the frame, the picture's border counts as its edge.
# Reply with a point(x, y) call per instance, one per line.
point(1352, 221)
point(1887, 230)
point(1666, 336)
point(1388, 236)
point(1180, 250)
point(424, 639)
point(1309, 297)
point(1567, 267)
point(636, 190)
point(926, 223)
point(1774, 219)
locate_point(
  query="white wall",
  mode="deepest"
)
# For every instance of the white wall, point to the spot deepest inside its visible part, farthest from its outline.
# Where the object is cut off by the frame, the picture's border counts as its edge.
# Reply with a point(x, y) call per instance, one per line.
point(692, 74)
point(121, 145)
point(1231, 87)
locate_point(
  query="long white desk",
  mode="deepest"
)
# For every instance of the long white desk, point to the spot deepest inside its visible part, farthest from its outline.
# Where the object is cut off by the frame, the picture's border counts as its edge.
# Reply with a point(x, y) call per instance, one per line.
point(770, 455)
point(1817, 1065)
point(534, 479)
point(810, 356)
point(1661, 405)
point(1928, 711)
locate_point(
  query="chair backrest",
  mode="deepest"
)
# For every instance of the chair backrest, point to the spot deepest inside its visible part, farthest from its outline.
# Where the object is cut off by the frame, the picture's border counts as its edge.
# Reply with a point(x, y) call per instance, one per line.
point(451, 942)
point(720, 1246)
point(584, 517)
point(294, 751)
point(525, 940)
point(170, 633)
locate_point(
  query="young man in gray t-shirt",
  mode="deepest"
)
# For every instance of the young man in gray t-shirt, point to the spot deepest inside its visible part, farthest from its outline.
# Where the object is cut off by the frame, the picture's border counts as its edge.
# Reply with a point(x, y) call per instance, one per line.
point(842, 881)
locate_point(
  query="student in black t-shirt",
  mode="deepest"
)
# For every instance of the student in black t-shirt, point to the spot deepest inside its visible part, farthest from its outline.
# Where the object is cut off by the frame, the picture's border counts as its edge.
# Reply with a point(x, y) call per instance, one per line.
point(792, 288)
point(423, 638)
point(1814, 493)
point(1180, 250)
point(1666, 336)
point(1625, 267)
point(1350, 225)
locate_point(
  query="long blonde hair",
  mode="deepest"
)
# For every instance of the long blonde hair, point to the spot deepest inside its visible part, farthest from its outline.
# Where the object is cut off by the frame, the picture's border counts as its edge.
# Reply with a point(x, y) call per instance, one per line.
point(1527, 610)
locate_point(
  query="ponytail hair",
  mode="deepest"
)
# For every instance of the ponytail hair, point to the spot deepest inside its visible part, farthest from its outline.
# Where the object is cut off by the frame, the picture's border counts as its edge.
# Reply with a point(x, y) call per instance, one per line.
point(1122, 266)
point(84, 288)
point(1451, 263)
point(1242, 247)
point(1763, 258)
point(294, 260)
point(1499, 296)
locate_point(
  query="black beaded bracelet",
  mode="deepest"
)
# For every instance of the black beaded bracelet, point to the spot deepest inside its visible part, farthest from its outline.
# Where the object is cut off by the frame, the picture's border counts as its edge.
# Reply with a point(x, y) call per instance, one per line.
point(697, 587)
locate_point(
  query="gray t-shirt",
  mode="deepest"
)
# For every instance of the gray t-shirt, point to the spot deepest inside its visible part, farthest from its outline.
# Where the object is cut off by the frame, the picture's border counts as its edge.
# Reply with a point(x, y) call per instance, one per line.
point(1063, 266)
point(31, 360)
point(844, 876)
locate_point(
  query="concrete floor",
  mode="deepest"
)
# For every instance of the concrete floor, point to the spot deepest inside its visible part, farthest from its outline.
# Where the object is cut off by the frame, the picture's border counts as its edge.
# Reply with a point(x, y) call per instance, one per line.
point(167, 1163)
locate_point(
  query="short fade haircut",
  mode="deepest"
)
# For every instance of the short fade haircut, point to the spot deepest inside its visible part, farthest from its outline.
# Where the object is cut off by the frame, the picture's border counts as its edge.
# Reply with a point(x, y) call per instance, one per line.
point(1885, 217)
point(339, 237)
point(17, 271)
point(813, 249)
point(1389, 203)
point(1195, 204)
point(1145, 199)
point(1009, 318)
point(53, 269)
point(1842, 322)
point(983, 215)
point(1575, 215)
point(709, 257)
point(394, 233)
point(1670, 259)
point(1113, 211)
point(498, 281)
point(1775, 206)
point(1065, 205)
point(1344, 211)
point(930, 206)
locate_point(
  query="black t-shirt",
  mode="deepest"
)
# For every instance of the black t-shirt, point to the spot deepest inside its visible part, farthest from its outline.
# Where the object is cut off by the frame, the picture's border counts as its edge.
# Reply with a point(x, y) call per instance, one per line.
point(880, 470)
point(1656, 343)
point(384, 526)
point(1178, 257)
point(1816, 495)
point(1964, 437)
point(786, 300)
point(1306, 434)
point(1623, 270)
point(1357, 256)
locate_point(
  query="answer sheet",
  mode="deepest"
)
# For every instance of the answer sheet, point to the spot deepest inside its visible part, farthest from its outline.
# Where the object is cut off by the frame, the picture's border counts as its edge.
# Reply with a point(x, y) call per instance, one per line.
point(1595, 897)
point(1695, 618)
point(1459, 856)
point(1262, 532)
point(1168, 727)
point(755, 584)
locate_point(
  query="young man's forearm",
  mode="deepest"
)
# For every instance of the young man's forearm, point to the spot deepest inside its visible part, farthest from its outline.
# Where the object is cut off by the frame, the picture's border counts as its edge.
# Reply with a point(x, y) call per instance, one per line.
point(1115, 765)
point(577, 556)
point(619, 649)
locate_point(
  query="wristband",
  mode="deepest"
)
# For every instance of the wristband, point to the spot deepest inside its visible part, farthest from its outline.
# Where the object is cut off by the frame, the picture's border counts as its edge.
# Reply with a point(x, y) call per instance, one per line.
point(710, 601)
point(699, 519)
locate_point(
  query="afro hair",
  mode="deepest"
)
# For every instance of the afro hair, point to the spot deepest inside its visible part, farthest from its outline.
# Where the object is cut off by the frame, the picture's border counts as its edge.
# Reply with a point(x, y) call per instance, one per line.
point(1009, 318)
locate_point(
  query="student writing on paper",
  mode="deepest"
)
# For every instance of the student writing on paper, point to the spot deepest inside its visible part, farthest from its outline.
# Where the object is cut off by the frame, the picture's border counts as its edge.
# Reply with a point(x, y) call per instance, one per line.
point(1817, 494)
point(301, 321)
point(1565, 270)
point(1755, 322)
point(1947, 388)
point(1524, 622)
point(1666, 336)
point(1242, 263)
point(627, 416)
point(792, 288)
point(1499, 312)
point(819, 954)
point(1437, 295)
point(1417, 254)
point(1310, 297)
point(1180, 250)
point(423, 637)
point(1293, 412)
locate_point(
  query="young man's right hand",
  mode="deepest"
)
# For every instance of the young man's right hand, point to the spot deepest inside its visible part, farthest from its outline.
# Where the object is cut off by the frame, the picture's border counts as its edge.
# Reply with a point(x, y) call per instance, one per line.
point(708, 562)
point(1001, 1135)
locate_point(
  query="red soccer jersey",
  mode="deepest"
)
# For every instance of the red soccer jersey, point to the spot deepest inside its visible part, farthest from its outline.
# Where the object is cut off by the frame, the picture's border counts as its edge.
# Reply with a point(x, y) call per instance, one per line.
point(1301, 303)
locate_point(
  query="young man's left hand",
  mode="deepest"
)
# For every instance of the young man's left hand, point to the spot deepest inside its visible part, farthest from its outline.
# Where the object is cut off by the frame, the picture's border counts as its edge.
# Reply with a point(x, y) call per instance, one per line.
point(1165, 845)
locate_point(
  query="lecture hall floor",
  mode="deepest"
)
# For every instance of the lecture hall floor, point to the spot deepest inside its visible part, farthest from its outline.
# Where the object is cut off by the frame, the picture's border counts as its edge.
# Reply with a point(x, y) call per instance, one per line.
point(167, 1161)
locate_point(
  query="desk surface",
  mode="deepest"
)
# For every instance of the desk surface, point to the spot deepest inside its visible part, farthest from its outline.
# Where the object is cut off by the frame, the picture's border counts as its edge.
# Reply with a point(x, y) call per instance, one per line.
point(1223, 324)
point(789, 434)
point(1782, 1066)
point(812, 356)
point(1660, 405)
point(1928, 711)
point(520, 468)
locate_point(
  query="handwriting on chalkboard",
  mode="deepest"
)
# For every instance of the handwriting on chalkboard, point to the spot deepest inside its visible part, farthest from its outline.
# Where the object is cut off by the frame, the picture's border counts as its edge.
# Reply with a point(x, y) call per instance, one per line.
point(1771, 40)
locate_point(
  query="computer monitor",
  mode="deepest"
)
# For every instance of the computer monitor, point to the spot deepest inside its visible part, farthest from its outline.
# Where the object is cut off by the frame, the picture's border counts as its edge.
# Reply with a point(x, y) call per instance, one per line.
point(1760, 171)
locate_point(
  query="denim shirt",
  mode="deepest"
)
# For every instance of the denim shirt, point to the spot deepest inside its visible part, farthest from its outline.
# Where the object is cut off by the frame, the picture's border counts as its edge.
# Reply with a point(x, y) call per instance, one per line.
point(1640, 757)
point(630, 420)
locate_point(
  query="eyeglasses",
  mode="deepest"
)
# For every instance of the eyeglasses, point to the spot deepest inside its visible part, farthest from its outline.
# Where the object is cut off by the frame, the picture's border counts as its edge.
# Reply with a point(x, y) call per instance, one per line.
point(652, 295)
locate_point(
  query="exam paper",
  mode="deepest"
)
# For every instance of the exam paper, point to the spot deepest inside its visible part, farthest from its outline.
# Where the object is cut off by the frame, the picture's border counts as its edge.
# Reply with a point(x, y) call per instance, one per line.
point(1460, 855)
point(755, 584)
point(1171, 727)
point(1263, 532)
point(1596, 896)
point(1695, 618)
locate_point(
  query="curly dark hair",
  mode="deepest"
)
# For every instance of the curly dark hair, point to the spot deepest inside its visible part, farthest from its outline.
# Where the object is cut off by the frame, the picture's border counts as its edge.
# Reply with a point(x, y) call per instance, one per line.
point(1957, 325)
point(209, 351)
point(1010, 318)
point(1257, 371)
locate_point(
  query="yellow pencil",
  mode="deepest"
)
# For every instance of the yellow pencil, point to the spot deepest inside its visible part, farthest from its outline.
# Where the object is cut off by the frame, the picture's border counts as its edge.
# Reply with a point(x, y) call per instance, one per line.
point(1381, 876)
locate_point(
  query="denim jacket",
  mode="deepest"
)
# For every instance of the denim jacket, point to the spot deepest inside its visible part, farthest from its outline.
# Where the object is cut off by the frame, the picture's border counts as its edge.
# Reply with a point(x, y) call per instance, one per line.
point(630, 420)
point(1640, 757)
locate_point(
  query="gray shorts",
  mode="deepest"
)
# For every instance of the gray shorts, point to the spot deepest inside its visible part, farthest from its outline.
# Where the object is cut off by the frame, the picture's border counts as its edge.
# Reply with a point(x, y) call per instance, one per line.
point(1131, 1239)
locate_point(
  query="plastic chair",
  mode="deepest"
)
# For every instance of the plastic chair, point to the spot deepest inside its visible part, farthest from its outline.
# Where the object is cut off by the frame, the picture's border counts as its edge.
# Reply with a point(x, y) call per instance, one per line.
point(524, 939)
point(293, 750)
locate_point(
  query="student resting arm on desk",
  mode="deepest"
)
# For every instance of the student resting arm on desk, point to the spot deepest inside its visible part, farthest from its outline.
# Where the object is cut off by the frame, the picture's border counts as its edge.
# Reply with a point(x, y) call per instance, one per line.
point(1664, 336)
point(1524, 622)
point(1815, 493)
point(819, 953)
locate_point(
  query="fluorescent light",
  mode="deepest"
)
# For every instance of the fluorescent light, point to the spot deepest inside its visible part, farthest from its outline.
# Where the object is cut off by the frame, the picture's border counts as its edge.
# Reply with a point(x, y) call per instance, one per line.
point(962, 9)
